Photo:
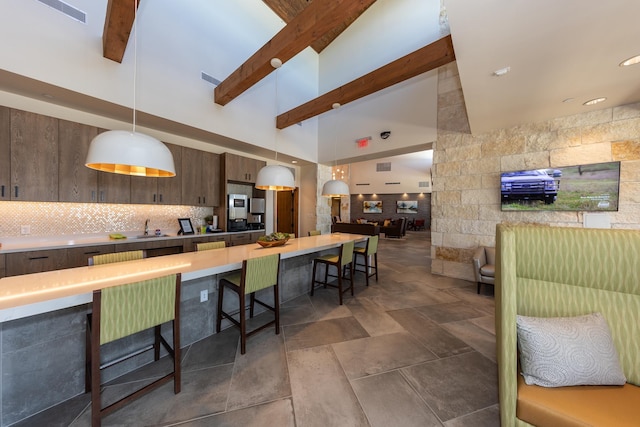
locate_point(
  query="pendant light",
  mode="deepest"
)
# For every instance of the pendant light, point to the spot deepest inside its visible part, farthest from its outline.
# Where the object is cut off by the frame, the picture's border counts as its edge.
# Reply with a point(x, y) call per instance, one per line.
point(130, 153)
point(275, 177)
point(335, 187)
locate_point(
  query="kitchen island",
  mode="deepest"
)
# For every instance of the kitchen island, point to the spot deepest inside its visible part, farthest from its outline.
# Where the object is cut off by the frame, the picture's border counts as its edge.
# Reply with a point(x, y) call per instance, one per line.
point(44, 314)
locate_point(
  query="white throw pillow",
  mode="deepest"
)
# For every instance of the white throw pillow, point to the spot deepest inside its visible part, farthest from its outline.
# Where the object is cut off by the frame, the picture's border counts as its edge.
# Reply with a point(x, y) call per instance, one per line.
point(568, 351)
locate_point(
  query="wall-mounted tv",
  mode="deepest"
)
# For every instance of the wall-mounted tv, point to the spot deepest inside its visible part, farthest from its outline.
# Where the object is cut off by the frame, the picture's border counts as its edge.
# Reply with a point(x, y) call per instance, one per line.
point(593, 187)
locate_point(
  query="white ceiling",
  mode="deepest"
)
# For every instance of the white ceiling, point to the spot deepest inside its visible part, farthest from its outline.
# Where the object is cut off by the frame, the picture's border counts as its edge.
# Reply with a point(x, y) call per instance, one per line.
point(557, 49)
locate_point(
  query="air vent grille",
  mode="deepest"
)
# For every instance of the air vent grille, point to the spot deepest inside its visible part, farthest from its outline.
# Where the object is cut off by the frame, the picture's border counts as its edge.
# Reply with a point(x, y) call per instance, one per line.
point(383, 167)
point(363, 184)
point(391, 183)
point(423, 184)
point(68, 10)
point(209, 78)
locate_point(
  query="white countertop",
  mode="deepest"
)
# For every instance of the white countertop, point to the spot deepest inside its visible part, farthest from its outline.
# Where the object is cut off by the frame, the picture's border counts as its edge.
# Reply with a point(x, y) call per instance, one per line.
point(30, 294)
point(33, 243)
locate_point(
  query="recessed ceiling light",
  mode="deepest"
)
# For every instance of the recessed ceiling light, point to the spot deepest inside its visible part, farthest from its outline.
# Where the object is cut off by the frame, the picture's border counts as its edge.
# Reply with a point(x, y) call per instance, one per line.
point(594, 101)
point(294, 161)
point(631, 61)
point(501, 72)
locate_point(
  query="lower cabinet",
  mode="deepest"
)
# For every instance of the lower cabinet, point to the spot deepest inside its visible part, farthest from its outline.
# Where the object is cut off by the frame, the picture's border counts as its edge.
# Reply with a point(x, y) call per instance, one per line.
point(35, 261)
point(155, 247)
point(79, 257)
point(239, 239)
point(2, 272)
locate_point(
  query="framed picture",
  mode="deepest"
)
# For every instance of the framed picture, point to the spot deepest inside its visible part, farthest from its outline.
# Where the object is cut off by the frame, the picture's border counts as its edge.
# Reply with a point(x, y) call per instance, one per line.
point(372, 206)
point(185, 226)
point(407, 206)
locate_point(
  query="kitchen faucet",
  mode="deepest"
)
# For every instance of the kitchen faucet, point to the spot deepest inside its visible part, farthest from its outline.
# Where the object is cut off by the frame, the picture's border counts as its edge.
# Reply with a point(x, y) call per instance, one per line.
point(146, 227)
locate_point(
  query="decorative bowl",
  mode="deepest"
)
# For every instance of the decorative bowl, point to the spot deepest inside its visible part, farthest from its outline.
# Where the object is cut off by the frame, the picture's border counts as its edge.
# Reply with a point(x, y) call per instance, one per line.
point(273, 243)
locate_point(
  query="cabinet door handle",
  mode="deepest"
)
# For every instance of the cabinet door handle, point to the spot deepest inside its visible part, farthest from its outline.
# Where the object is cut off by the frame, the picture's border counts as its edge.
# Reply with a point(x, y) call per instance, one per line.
point(154, 198)
point(92, 252)
point(37, 257)
point(93, 195)
point(3, 191)
point(161, 198)
point(102, 196)
point(16, 191)
point(204, 200)
point(198, 199)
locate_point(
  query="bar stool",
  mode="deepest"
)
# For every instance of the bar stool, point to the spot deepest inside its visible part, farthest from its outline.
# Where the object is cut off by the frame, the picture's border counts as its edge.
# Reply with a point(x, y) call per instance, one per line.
point(314, 233)
point(257, 273)
point(124, 310)
point(210, 245)
point(341, 261)
point(371, 249)
point(117, 257)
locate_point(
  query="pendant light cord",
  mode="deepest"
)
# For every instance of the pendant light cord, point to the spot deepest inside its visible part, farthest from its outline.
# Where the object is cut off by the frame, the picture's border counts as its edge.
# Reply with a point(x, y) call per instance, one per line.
point(135, 58)
point(276, 134)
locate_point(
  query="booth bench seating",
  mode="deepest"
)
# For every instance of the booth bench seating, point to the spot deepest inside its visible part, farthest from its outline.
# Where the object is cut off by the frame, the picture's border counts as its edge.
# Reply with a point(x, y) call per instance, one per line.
point(563, 272)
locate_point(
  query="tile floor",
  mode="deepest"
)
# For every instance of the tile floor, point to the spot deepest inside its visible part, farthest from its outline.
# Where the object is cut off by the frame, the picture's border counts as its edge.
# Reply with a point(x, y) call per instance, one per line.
point(413, 349)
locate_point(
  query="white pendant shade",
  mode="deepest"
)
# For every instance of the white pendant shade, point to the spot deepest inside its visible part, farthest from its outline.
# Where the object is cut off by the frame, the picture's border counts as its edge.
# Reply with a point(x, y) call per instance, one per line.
point(335, 188)
point(275, 177)
point(130, 153)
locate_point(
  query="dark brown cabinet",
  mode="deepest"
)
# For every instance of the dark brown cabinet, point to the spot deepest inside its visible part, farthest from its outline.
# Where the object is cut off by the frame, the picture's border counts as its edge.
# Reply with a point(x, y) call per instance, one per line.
point(34, 157)
point(79, 256)
point(35, 261)
point(77, 183)
point(163, 191)
point(200, 177)
point(5, 153)
point(242, 169)
point(2, 270)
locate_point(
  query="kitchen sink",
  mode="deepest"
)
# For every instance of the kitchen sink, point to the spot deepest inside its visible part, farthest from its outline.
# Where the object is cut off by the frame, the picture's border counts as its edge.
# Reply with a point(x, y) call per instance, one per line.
point(150, 236)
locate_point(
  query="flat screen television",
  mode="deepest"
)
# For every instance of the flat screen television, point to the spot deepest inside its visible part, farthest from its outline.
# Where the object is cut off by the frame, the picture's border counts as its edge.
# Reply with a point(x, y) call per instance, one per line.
point(592, 187)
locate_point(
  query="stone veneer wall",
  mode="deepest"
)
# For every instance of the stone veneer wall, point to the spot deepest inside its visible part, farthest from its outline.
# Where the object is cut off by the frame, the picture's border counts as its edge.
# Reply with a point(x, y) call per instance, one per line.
point(466, 184)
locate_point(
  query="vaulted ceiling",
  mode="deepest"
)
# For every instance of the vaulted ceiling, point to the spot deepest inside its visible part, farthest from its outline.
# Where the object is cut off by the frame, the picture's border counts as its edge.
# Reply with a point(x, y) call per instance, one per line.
point(308, 23)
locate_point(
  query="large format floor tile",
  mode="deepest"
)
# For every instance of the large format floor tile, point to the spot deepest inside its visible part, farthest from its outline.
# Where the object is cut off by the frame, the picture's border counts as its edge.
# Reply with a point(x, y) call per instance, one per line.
point(412, 349)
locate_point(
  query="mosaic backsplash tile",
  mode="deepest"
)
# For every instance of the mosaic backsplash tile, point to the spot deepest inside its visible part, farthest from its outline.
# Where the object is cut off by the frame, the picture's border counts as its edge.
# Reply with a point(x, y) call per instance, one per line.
point(54, 219)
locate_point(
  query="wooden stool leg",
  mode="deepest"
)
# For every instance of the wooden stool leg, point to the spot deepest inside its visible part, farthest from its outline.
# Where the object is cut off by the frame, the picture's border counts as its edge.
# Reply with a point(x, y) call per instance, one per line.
point(339, 282)
point(219, 313)
point(313, 277)
point(243, 325)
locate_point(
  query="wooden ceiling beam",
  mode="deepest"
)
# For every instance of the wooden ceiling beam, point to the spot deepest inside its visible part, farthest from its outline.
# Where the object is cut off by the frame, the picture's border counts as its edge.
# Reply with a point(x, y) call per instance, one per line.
point(422, 60)
point(118, 24)
point(320, 17)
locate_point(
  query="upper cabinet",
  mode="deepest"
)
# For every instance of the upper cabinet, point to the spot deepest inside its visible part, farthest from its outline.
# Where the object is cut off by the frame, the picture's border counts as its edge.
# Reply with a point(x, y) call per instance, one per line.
point(242, 169)
point(5, 153)
point(164, 191)
point(77, 183)
point(200, 177)
point(34, 157)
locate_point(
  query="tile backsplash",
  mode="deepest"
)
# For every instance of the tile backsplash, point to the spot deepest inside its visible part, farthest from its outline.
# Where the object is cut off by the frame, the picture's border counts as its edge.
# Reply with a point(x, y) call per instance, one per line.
point(53, 219)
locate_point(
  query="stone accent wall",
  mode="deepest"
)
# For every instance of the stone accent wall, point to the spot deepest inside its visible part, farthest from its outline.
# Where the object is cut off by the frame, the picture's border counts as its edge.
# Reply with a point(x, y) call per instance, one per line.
point(323, 204)
point(466, 181)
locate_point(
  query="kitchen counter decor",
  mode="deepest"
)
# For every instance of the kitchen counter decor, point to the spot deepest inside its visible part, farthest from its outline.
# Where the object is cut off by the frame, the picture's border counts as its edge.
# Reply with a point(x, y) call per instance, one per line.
point(273, 239)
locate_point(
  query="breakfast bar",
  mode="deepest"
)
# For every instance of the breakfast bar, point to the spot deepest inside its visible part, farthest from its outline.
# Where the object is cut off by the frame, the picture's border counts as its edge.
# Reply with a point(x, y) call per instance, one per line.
point(43, 315)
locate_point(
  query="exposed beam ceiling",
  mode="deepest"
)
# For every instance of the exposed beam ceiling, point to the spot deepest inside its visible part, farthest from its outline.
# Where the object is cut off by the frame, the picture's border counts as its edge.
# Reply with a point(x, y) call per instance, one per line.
point(117, 28)
point(422, 60)
point(287, 10)
point(311, 24)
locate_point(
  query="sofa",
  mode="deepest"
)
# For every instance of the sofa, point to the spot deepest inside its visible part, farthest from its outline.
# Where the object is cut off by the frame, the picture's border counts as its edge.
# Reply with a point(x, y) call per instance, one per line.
point(365, 229)
point(557, 272)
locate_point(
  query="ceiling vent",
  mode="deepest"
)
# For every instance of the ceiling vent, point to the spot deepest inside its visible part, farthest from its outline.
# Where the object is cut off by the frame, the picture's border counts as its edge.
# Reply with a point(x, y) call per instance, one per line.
point(423, 184)
point(391, 183)
point(363, 184)
point(68, 10)
point(209, 78)
point(383, 167)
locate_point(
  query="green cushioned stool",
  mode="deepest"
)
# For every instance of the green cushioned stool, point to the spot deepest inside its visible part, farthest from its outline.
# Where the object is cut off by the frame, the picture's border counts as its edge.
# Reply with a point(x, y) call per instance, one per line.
point(257, 273)
point(341, 261)
point(117, 257)
point(368, 252)
point(124, 310)
point(210, 245)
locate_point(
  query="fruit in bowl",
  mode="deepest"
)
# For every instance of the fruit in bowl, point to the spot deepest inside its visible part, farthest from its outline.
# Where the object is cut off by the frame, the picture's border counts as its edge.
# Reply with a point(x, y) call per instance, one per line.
point(273, 239)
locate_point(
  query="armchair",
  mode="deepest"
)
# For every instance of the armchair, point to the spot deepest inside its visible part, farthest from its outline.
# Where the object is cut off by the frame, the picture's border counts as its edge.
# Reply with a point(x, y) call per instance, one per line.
point(398, 229)
point(484, 266)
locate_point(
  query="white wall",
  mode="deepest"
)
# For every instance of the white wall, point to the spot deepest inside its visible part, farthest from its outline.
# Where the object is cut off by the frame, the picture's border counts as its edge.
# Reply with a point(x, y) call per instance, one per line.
point(408, 169)
point(175, 42)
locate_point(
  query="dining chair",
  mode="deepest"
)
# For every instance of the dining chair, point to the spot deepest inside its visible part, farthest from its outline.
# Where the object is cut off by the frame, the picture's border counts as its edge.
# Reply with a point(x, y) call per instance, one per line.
point(256, 274)
point(369, 251)
point(341, 262)
point(121, 311)
point(117, 257)
point(314, 233)
point(210, 245)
